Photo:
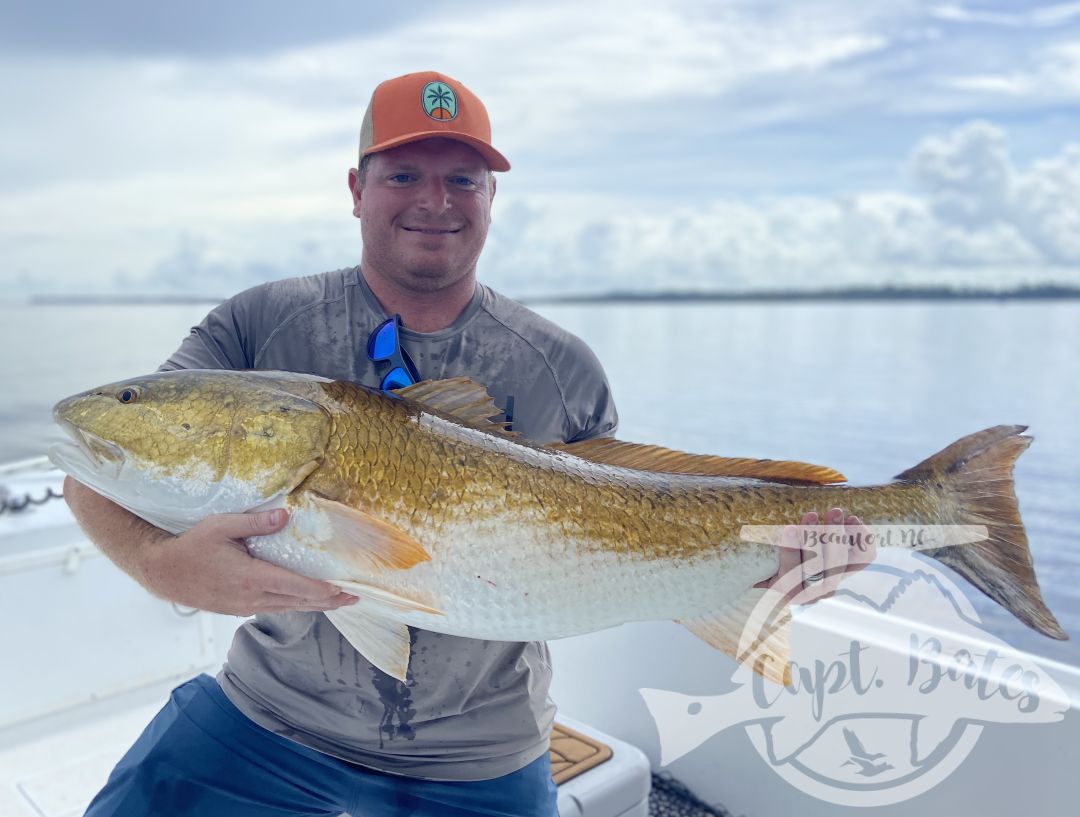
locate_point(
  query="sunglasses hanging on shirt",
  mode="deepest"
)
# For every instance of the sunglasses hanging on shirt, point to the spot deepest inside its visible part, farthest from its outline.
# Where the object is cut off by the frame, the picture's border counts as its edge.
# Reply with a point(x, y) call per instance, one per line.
point(384, 345)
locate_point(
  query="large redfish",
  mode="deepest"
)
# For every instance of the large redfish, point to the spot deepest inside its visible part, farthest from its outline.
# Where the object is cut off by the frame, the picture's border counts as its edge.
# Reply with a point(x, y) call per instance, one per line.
point(438, 518)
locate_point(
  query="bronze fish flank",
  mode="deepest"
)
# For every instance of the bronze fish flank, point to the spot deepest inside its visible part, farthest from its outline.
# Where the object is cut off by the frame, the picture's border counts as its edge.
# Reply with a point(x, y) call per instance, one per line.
point(438, 518)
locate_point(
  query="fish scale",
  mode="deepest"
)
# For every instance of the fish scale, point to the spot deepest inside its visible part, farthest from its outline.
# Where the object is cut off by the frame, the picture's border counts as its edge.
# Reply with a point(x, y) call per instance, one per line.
point(436, 517)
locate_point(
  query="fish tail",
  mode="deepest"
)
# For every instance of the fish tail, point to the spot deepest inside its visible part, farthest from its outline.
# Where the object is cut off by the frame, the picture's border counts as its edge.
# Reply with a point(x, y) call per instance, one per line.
point(976, 472)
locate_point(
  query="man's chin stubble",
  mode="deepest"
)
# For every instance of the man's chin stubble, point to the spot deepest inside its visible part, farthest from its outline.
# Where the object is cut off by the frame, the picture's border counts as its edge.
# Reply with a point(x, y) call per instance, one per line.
point(431, 279)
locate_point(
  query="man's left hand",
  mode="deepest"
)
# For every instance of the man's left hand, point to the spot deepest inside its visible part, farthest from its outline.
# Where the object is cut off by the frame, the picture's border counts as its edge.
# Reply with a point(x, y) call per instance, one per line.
point(825, 564)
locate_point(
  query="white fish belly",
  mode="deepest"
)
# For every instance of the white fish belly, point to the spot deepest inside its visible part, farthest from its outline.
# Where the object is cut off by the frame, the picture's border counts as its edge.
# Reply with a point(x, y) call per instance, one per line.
point(506, 580)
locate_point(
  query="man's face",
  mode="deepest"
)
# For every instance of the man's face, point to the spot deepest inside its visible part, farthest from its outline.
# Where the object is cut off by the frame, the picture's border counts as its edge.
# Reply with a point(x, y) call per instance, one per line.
point(424, 212)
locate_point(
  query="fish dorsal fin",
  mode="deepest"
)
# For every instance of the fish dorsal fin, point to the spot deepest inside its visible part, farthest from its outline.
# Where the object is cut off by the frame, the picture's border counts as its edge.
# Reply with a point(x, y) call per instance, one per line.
point(654, 458)
point(461, 397)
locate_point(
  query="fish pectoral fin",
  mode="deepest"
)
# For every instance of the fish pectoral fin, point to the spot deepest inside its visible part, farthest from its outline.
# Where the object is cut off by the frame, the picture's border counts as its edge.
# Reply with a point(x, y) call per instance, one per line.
point(609, 451)
point(754, 630)
point(366, 543)
point(371, 595)
point(382, 641)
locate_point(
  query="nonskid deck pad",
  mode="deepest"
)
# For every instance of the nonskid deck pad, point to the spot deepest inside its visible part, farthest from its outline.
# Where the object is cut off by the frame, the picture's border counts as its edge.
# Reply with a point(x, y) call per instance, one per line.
point(572, 753)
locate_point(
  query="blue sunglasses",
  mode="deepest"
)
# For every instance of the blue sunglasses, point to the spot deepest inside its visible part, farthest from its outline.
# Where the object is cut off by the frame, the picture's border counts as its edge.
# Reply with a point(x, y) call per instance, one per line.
point(384, 344)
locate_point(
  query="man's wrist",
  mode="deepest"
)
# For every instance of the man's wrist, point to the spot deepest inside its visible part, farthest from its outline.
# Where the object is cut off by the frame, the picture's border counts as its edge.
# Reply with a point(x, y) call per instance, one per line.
point(154, 543)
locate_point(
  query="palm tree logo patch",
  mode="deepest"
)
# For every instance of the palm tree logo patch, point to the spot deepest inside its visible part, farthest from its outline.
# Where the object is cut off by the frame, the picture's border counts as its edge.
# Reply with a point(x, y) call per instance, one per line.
point(439, 100)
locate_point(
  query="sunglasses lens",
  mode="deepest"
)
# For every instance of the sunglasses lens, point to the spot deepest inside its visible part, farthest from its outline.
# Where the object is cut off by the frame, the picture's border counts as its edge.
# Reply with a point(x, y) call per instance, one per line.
point(397, 378)
point(383, 341)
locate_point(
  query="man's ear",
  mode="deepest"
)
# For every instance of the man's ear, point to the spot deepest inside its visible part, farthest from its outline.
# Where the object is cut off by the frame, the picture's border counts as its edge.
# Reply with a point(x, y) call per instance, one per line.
point(354, 190)
point(492, 177)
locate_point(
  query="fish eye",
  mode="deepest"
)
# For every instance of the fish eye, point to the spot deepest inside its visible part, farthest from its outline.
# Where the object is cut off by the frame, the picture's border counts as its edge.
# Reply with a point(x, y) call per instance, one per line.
point(128, 395)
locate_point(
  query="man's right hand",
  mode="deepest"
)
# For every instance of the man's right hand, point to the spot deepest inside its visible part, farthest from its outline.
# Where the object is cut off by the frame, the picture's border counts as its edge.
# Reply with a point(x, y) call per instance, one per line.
point(209, 567)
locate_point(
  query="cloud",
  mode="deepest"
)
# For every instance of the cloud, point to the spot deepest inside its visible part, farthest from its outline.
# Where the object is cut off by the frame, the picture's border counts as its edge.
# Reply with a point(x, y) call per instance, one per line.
point(673, 79)
point(1052, 72)
point(618, 67)
point(973, 185)
point(1046, 206)
point(1040, 17)
point(977, 220)
point(196, 27)
point(972, 218)
point(967, 174)
point(742, 144)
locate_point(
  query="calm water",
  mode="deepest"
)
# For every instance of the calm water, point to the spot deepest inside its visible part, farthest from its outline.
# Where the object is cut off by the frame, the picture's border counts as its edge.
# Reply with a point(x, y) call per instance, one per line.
point(870, 389)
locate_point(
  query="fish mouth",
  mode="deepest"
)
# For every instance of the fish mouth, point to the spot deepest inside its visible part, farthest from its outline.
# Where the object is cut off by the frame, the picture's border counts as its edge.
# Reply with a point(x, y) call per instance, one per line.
point(106, 469)
point(87, 454)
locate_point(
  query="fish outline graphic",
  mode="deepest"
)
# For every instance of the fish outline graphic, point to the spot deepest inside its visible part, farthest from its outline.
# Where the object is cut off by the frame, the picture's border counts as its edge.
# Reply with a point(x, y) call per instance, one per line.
point(892, 681)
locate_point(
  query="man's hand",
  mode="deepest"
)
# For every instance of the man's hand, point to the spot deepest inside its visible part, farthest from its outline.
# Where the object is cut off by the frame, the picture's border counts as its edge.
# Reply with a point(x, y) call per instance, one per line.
point(829, 560)
point(209, 567)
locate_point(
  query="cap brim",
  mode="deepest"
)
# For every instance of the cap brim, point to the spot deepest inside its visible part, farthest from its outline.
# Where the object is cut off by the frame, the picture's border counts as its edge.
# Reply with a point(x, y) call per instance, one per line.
point(495, 160)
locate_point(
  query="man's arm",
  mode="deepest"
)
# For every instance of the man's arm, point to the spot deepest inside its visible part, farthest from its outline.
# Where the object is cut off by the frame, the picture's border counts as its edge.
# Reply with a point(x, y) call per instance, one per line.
point(208, 567)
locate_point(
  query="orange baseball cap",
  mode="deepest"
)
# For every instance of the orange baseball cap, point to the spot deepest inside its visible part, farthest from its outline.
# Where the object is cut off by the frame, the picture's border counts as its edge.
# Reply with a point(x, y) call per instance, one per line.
point(426, 104)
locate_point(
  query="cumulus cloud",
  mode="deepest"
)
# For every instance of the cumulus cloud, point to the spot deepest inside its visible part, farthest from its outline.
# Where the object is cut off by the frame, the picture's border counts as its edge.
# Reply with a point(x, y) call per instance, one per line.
point(972, 218)
point(976, 220)
point(966, 173)
point(973, 185)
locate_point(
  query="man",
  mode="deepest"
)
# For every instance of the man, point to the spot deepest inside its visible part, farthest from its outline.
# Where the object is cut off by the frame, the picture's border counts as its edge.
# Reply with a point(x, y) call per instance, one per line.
point(297, 722)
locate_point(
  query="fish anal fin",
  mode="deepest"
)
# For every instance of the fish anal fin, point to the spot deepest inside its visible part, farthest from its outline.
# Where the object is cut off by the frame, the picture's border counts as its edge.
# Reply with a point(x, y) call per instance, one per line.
point(382, 641)
point(665, 460)
point(754, 630)
point(462, 398)
point(365, 542)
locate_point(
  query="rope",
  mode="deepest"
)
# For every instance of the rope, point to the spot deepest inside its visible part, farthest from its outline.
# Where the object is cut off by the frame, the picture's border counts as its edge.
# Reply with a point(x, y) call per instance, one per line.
point(14, 505)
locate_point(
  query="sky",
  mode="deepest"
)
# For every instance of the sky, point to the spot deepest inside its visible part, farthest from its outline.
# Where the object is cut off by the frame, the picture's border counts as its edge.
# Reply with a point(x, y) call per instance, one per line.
point(201, 148)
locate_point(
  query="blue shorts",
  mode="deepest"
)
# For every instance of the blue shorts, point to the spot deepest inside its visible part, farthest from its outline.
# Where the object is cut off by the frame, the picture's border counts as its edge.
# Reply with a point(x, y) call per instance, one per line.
point(201, 757)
